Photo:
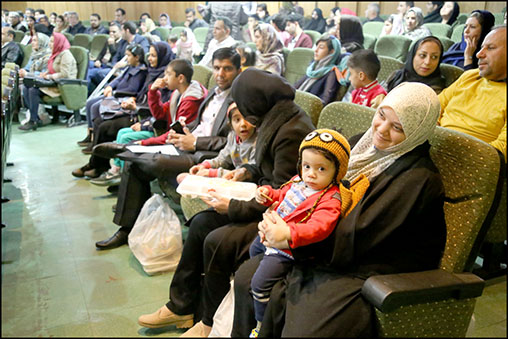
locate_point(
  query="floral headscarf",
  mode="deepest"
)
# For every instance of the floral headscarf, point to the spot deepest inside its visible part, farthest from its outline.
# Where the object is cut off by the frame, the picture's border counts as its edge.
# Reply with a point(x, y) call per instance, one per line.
point(269, 56)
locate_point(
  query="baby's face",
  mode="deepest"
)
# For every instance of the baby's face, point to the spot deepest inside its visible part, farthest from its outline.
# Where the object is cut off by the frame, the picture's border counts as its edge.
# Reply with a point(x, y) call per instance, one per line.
point(317, 171)
point(243, 129)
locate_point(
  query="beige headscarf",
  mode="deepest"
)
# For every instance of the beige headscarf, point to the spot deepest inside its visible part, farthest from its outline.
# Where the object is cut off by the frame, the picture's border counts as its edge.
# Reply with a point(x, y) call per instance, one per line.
point(417, 107)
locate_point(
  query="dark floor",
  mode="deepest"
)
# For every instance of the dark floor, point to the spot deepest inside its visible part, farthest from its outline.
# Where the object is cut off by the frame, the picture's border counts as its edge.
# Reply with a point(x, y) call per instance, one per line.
point(54, 281)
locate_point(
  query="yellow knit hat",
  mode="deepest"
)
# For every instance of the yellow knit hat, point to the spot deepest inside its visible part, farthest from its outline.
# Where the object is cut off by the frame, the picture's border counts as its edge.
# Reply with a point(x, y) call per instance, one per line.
point(331, 141)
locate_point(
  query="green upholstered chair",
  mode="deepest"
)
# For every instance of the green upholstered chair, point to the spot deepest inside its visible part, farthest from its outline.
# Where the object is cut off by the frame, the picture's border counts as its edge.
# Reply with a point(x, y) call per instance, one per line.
point(86, 23)
point(395, 46)
point(285, 53)
point(347, 118)
point(310, 103)
point(451, 73)
point(200, 34)
point(69, 37)
point(202, 74)
point(97, 45)
point(164, 32)
point(440, 303)
point(446, 42)
point(499, 18)
point(27, 52)
point(73, 92)
point(388, 66)
point(297, 63)
point(314, 35)
point(373, 28)
point(211, 83)
point(369, 41)
point(462, 18)
point(457, 33)
point(439, 29)
point(18, 35)
point(83, 40)
point(251, 45)
point(176, 30)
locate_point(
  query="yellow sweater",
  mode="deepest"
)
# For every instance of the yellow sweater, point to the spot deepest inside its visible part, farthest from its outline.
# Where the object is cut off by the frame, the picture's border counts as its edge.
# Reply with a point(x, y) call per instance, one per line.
point(476, 106)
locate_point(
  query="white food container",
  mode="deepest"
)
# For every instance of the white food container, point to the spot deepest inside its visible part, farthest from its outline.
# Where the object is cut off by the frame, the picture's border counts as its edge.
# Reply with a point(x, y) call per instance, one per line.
point(195, 185)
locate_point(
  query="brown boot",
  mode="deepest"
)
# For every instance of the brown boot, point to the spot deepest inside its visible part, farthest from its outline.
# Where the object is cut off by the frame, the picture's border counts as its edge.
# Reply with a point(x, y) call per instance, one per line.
point(164, 317)
point(88, 139)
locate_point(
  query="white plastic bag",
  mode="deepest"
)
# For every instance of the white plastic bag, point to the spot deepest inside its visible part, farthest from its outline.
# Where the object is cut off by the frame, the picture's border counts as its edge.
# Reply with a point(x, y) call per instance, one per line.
point(223, 317)
point(156, 238)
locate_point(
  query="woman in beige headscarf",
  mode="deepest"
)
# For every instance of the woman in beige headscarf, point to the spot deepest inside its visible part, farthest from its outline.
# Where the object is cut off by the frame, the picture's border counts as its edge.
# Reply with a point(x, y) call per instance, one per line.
point(397, 227)
point(269, 49)
point(147, 29)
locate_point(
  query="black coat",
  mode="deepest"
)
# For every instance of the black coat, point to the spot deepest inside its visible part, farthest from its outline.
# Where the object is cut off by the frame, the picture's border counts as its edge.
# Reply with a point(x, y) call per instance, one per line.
point(12, 53)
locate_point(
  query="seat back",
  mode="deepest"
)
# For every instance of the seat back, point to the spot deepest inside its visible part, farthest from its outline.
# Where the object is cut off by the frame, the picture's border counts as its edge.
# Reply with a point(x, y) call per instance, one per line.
point(310, 103)
point(200, 34)
point(27, 52)
point(314, 35)
point(347, 118)
point(83, 40)
point(18, 35)
point(176, 30)
point(86, 23)
point(447, 42)
point(164, 32)
point(285, 53)
point(462, 18)
point(388, 66)
point(81, 56)
point(457, 33)
point(451, 73)
point(369, 41)
point(297, 63)
point(202, 74)
point(211, 82)
point(373, 28)
point(251, 45)
point(69, 37)
point(438, 29)
point(97, 45)
point(498, 18)
point(395, 46)
point(469, 168)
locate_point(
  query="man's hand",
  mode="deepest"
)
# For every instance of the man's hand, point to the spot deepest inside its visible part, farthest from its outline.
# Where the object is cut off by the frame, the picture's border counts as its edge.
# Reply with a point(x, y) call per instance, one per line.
point(184, 142)
point(158, 83)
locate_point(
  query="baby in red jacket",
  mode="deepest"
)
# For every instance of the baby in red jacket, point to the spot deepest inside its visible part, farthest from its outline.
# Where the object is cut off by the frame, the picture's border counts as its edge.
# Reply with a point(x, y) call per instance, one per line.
point(305, 211)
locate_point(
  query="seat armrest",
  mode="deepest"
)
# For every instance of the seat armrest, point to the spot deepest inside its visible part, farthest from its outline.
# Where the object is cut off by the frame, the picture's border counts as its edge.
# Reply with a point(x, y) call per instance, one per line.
point(201, 156)
point(120, 94)
point(390, 291)
point(71, 82)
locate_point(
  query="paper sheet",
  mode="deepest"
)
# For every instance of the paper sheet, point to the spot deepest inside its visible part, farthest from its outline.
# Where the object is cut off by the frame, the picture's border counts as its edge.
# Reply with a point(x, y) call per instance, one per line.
point(163, 149)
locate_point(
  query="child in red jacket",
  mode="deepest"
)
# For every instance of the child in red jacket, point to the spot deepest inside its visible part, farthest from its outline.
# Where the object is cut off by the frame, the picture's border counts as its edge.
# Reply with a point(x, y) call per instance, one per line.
point(310, 205)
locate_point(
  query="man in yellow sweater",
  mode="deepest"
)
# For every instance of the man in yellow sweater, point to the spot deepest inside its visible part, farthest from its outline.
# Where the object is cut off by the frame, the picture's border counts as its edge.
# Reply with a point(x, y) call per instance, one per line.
point(476, 102)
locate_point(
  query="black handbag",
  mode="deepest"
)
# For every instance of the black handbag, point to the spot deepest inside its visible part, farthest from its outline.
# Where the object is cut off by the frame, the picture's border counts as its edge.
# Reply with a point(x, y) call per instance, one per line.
point(31, 81)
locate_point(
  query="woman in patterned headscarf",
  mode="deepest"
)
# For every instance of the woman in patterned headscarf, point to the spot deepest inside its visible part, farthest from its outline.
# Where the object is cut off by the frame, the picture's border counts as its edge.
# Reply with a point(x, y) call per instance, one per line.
point(269, 49)
point(386, 232)
point(413, 24)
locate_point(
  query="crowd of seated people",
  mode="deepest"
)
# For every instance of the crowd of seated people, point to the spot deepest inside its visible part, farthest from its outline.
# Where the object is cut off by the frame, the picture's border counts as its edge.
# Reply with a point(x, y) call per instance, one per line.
point(250, 90)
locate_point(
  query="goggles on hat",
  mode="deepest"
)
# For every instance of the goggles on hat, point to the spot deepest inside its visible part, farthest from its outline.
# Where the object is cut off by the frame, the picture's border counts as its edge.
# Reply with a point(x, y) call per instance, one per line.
point(325, 137)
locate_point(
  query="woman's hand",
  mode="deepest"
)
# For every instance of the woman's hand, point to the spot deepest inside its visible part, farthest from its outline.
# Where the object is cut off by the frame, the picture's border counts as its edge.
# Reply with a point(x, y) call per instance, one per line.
point(239, 174)
point(136, 127)
point(108, 91)
point(129, 104)
point(469, 51)
point(97, 63)
point(45, 75)
point(217, 202)
point(22, 73)
point(277, 232)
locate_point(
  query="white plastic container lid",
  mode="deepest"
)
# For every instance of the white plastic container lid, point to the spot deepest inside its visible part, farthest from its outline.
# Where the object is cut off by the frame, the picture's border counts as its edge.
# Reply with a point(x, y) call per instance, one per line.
point(195, 185)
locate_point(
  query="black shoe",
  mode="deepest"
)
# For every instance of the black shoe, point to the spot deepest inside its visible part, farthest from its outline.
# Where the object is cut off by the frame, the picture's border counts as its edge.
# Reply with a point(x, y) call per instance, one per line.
point(28, 126)
point(80, 172)
point(87, 150)
point(108, 150)
point(118, 239)
point(113, 189)
point(113, 208)
point(86, 141)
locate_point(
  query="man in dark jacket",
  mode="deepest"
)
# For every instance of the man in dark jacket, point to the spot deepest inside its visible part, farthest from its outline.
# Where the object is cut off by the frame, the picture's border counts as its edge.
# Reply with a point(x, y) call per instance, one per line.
point(75, 26)
point(95, 25)
point(191, 21)
point(207, 134)
point(43, 20)
point(16, 23)
point(11, 52)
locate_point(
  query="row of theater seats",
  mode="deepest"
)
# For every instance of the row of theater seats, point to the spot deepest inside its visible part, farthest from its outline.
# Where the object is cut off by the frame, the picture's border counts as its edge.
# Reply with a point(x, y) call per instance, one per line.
point(437, 303)
point(10, 95)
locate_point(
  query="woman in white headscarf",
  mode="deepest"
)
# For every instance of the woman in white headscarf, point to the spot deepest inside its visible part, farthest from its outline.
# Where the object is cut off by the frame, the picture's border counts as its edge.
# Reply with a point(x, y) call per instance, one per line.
point(269, 49)
point(165, 21)
point(397, 227)
point(187, 46)
point(413, 24)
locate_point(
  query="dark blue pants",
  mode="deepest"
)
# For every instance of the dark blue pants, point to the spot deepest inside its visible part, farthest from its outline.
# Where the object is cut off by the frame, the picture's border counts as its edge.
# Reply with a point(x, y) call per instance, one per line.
point(92, 109)
point(32, 97)
point(271, 269)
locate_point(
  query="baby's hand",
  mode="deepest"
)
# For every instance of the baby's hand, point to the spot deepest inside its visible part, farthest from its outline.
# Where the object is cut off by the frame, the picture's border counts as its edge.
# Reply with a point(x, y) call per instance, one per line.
point(262, 195)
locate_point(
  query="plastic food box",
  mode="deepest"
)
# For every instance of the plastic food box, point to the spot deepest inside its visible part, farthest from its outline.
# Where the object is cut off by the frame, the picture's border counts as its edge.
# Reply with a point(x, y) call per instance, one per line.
point(195, 185)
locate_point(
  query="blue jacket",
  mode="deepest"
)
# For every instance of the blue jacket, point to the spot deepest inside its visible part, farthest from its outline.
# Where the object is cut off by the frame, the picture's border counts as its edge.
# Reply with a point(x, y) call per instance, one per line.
point(122, 45)
point(131, 80)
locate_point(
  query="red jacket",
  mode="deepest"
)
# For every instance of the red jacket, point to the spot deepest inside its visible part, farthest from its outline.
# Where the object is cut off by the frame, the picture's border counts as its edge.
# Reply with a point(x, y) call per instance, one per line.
point(319, 225)
point(188, 108)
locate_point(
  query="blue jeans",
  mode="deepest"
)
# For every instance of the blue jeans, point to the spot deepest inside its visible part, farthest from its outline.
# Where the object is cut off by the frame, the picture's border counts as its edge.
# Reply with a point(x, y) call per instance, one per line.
point(32, 97)
point(272, 268)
